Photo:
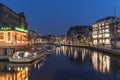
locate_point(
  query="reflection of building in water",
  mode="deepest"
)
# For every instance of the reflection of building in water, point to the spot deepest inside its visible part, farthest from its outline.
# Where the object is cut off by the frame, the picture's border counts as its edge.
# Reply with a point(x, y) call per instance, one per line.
point(74, 54)
point(18, 74)
point(57, 50)
point(101, 62)
point(64, 50)
point(10, 71)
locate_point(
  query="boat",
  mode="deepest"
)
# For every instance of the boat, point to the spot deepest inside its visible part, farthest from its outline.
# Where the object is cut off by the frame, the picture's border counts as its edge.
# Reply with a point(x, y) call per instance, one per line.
point(57, 45)
point(26, 56)
point(49, 48)
point(41, 60)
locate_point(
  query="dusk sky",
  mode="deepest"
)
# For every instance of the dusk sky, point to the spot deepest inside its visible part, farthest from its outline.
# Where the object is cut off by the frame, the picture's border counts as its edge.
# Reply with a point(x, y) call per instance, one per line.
point(56, 16)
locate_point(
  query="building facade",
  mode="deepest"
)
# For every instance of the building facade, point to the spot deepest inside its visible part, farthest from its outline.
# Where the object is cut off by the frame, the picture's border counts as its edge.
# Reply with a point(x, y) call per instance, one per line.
point(13, 27)
point(80, 35)
point(104, 30)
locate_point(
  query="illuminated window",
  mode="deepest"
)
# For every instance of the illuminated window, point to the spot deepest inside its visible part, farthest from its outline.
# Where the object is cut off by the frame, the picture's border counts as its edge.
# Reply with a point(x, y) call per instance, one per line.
point(107, 23)
point(100, 36)
point(95, 32)
point(107, 35)
point(100, 31)
point(1, 35)
point(103, 31)
point(99, 27)
point(24, 38)
point(8, 36)
point(103, 40)
point(100, 41)
point(18, 37)
point(107, 41)
point(107, 30)
point(107, 26)
point(99, 24)
point(95, 41)
point(118, 30)
point(94, 36)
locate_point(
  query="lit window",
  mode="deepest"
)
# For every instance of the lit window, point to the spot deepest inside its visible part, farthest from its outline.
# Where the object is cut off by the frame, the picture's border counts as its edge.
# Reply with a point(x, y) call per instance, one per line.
point(107, 41)
point(95, 32)
point(107, 26)
point(95, 41)
point(100, 41)
point(8, 36)
point(100, 36)
point(107, 30)
point(107, 35)
point(107, 23)
point(1, 35)
point(94, 36)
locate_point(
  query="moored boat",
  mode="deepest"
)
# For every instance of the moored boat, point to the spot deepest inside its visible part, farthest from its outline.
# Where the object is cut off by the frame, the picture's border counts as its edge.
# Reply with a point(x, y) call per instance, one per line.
point(25, 56)
point(57, 45)
point(49, 48)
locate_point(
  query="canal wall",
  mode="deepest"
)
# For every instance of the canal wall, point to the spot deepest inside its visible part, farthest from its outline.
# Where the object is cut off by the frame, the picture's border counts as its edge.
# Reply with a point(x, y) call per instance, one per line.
point(100, 49)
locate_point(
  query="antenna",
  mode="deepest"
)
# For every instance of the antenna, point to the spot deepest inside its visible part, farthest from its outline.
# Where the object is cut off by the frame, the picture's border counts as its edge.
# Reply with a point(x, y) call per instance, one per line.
point(114, 11)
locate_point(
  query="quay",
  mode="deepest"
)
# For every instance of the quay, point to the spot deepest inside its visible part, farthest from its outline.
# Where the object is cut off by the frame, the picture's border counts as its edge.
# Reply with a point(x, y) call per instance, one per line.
point(115, 52)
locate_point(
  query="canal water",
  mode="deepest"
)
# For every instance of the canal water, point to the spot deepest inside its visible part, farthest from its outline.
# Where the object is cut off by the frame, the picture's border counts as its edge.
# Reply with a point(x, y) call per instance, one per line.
point(65, 63)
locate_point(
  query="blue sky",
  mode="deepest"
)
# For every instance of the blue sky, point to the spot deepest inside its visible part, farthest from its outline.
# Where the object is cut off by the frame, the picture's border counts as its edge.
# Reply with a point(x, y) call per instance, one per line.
point(56, 16)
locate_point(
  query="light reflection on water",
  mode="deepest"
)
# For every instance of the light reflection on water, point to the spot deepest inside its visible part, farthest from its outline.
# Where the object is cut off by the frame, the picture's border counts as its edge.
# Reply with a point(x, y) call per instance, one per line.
point(65, 63)
point(18, 71)
point(101, 62)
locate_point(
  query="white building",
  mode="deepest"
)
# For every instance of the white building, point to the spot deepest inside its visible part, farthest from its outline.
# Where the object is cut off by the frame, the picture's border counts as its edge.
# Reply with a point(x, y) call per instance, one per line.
point(104, 30)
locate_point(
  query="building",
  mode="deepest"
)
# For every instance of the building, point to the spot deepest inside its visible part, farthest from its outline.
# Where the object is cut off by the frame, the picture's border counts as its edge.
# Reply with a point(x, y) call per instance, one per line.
point(32, 36)
point(13, 27)
point(104, 30)
point(80, 35)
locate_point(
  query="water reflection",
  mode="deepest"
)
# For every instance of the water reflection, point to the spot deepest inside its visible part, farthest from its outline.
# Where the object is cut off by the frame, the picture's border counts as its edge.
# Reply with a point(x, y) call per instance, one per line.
point(18, 71)
point(66, 63)
point(100, 62)
point(57, 50)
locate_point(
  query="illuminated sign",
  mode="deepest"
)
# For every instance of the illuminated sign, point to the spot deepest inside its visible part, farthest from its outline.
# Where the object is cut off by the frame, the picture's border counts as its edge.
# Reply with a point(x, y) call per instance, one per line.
point(20, 29)
point(26, 78)
point(13, 28)
point(5, 28)
point(21, 68)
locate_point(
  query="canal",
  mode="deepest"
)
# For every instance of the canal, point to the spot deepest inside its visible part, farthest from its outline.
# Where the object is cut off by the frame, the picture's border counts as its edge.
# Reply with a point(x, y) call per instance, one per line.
point(65, 63)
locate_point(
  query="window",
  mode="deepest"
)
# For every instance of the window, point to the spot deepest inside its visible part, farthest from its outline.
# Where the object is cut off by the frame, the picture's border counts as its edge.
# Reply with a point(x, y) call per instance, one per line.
point(8, 36)
point(107, 30)
point(107, 35)
point(100, 36)
point(94, 36)
point(95, 41)
point(107, 41)
point(107, 26)
point(1, 35)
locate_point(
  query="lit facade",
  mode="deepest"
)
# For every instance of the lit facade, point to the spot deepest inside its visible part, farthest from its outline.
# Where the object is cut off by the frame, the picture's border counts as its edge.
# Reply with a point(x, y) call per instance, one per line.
point(18, 75)
point(13, 27)
point(13, 38)
point(104, 30)
point(80, 35)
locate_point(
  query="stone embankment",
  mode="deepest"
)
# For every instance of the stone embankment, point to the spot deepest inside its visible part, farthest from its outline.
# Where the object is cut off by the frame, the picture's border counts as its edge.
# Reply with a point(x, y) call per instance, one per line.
point(100, 49)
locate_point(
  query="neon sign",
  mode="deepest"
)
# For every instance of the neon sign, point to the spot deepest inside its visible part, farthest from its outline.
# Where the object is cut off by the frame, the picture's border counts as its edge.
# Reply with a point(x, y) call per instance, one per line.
point(13, 28)
point(26, 78)
point(6, 28)
point(20, 29)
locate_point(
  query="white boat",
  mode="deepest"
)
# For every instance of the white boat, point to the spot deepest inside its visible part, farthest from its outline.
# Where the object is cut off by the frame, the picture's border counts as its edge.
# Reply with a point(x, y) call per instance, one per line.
point(49, 48)
point(25, 56)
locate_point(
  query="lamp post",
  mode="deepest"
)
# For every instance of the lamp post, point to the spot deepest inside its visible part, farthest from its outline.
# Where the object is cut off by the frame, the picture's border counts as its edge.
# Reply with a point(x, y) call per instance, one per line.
point(115, 26)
